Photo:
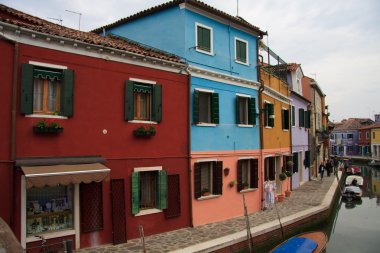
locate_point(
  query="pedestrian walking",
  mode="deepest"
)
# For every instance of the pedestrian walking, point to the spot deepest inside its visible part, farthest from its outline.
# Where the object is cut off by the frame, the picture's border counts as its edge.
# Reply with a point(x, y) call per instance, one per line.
point(321, 169)
point(328, 167)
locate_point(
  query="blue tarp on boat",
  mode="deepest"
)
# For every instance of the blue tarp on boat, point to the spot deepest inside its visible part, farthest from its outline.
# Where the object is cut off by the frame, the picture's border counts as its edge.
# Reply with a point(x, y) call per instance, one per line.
point(297, 245)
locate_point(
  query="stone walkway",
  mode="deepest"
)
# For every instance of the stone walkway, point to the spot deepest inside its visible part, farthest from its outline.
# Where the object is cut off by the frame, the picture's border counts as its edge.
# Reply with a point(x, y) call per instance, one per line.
point(309, 195)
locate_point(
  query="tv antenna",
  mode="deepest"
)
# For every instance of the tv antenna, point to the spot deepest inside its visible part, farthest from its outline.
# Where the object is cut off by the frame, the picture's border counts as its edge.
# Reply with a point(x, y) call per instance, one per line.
point(315, 76)
point(237, 8)
point(57, 19)
point(79, 14)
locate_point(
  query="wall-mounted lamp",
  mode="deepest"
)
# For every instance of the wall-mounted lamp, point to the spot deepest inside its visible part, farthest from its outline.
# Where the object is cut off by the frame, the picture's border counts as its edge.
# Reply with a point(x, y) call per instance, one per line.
point(226, 171)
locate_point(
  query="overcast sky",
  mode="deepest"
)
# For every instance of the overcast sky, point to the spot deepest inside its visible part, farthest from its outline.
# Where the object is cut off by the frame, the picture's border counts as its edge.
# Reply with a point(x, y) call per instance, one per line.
point(335, 41)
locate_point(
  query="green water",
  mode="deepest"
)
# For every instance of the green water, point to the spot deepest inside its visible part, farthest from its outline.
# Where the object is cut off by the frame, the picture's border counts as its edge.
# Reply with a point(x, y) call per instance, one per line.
point(353, 227)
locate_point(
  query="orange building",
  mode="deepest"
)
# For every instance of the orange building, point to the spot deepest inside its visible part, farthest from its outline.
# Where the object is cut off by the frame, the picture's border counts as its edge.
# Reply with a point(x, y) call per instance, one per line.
point(275, 125)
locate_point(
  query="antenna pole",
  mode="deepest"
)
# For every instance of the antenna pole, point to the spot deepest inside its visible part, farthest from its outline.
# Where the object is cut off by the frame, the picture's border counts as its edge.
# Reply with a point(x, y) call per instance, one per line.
point(79, 14)
point(237, 8)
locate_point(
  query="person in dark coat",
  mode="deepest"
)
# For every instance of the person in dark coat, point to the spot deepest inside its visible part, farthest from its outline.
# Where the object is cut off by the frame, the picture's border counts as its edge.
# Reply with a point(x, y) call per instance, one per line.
point(328, 168)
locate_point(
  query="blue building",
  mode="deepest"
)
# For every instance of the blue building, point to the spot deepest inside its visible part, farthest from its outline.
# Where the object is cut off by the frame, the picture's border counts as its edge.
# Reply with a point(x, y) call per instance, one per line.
point(220, 51)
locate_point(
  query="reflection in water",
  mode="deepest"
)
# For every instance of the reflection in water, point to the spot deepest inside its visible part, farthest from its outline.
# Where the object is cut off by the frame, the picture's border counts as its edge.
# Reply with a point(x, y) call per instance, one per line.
point(354, 226)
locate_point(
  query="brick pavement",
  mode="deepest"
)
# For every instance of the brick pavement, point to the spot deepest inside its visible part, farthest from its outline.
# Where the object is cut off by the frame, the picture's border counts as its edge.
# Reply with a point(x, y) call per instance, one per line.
point(309, 195)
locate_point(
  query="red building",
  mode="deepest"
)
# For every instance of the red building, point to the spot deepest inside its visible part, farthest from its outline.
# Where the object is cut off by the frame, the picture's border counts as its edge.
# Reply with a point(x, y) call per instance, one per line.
point(364, 140)
point(94, 135)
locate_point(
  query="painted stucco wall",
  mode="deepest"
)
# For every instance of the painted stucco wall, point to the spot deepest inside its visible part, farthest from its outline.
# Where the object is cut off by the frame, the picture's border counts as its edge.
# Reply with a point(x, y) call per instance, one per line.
point(230, 203)
point(300, 141)
point(174, 30)
point(226, 135)
point(99, 105)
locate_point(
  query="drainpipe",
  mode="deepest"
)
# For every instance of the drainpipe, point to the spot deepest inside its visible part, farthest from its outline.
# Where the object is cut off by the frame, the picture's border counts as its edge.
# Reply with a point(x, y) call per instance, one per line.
point(261, 125)
point(13, 125)
point(186, 69)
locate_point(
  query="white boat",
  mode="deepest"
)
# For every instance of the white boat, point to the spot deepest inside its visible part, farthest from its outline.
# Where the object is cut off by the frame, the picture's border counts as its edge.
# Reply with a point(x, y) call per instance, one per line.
point(353, 190)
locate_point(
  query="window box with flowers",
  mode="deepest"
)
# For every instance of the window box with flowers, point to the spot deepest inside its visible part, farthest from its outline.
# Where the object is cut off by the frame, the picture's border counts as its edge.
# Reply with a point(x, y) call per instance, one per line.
point(47, 127)
point(144, 132)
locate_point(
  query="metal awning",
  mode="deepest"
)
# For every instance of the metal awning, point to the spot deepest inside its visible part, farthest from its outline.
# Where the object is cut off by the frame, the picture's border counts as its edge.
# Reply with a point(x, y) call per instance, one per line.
point(40, 176)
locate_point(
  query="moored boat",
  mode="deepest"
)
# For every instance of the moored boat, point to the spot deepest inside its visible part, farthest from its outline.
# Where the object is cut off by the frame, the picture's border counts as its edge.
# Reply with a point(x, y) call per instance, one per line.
point(310, 242)
point(353, 190)
point(353, 170)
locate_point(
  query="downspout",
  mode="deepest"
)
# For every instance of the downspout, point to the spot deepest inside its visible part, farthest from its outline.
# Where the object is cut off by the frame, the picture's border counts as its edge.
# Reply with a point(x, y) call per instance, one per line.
point(186, 69)
point(291, 140)
point(261, 125)
point(13, 125)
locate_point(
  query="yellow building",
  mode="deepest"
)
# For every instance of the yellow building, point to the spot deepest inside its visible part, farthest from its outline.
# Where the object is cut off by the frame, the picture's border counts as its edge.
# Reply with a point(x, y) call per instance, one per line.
point(375, 142)
point(275, 125)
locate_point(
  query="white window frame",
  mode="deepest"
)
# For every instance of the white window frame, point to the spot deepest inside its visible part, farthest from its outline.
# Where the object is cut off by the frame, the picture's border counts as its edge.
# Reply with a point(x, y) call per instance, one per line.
point(206, 124)
point(211, 39)
point(265, 114)
point(248, 97)
point(150, 210)
point(247, 52)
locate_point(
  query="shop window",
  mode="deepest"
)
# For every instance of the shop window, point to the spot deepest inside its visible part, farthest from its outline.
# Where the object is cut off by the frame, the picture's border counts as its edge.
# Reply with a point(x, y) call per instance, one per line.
point(49, 209)
point(91, 206)
point(47, 90)
point(247, 174)
point(207, 178)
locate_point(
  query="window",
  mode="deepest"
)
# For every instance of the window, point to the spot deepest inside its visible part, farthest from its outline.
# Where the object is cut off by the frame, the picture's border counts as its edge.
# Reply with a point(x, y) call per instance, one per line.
point(360, 135)
point(307, 119)
point(269, 114)
point(49, 209)
point(208, 178)
point(245, 110)
point(205, 107)
point(306, 162)
point(204, 39)
point(367, 135)
point(91, 206)
point(285, 119)
point(373, 135)
point(295, 162)
point(301, 117)
point(149, 190)
point(293, 116)
point(350, 136)
point(247, 174)
point(46, 90)
point(143, 101)
point(241, 51)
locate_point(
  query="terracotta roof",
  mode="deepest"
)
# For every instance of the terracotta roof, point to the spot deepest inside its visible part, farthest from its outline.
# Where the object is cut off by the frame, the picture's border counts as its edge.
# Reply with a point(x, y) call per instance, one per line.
point(293, 66)
point(376, 125)
point(352, 124)
point(195, 3)
point(18, 18)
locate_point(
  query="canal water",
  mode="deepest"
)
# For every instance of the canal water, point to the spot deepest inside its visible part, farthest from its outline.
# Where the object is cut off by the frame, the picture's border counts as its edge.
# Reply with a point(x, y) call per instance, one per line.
point(354, 227)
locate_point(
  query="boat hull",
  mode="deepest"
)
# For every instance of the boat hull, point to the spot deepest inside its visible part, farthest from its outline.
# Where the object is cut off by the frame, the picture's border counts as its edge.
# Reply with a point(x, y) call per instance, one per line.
point(319, 237)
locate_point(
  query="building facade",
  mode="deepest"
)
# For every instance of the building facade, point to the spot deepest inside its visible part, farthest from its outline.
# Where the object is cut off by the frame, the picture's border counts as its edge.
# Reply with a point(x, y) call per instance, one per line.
point(88, 151)
point(375, 142)
point(300, 124)
point(221, 54)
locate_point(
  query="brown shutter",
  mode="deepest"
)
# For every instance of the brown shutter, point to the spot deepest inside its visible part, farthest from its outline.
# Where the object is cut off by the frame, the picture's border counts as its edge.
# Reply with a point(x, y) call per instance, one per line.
point(91, 206)
point(174, 197)
point(271, 169)
point(197, 180)
point(217, 178)
point(254, 183)
point(239, 176)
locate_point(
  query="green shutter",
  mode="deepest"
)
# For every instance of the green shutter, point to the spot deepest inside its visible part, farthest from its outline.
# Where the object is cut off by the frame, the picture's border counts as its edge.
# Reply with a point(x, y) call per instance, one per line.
point(157, 103)
point(162, 190)
point(241, 51)
point(196, 107)
point(307, 120)
point(215, 108)
point(27, 83)
point(271, 113)
point(293, 116)
point(204, 39)
point(237, 110)
point(252, 111)
point(67, 93)
point(266, 111)
point(254, 173)
point(283, 118)
point(301, 117)
point(129, 112)
point(135, 192)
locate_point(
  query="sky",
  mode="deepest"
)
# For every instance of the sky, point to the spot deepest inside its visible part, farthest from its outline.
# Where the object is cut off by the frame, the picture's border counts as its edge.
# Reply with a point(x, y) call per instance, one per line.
point(336, 42)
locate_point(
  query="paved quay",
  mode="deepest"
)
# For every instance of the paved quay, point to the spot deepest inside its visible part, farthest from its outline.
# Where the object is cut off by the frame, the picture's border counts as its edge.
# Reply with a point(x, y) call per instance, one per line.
point(311, 198)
